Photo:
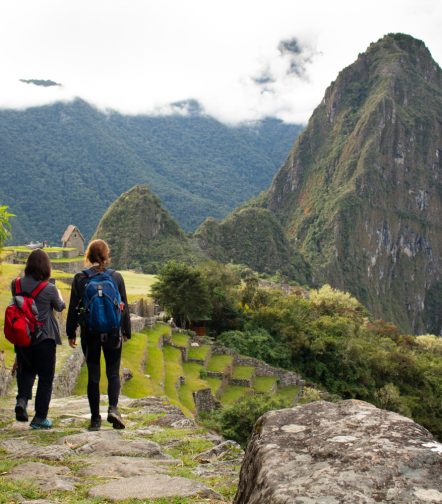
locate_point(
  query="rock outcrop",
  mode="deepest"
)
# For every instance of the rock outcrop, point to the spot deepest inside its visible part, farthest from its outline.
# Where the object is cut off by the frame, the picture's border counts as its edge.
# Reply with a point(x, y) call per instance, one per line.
point(345, 452)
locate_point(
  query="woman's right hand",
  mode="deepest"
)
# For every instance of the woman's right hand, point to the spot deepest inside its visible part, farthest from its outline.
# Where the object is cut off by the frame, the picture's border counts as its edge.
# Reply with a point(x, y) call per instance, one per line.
point(73, 342)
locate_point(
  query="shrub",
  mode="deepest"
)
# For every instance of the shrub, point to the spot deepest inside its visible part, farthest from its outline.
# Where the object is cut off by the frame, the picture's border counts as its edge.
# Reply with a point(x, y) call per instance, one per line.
point(237, 421)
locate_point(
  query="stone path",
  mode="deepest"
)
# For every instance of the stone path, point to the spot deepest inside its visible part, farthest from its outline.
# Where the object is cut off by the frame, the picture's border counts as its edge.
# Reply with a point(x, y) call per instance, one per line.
point(160, 455)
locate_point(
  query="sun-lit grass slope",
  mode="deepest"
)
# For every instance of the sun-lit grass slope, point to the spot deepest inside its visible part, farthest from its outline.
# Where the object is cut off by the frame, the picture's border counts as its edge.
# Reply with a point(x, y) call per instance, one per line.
point(219, 363)
point(233, 393)
point(264, 384)
point(158, 369)
point(137, 284)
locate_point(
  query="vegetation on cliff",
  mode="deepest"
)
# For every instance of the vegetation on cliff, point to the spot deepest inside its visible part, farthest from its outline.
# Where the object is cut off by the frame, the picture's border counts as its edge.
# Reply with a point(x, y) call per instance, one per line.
point(254, 237)
point(331, 339)
point(141, 234)
point(360, 194)
point(77, 160)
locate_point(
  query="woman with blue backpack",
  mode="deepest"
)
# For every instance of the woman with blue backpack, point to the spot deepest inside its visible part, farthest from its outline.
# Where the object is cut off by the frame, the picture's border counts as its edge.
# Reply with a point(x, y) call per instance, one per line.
point(98, 305)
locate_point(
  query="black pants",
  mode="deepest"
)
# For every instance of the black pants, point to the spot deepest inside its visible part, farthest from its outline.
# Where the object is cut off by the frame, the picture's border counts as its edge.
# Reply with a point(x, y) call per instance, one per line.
point(36, 360)
point(92, 346)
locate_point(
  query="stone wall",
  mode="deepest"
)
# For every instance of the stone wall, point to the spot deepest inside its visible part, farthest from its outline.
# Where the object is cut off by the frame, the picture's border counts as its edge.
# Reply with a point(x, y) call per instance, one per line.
point(142, 308)
point(69, 267)
point(285, 378)
point(65, 380)
point(5, 375)
point(139, 323)
point(70, 254)
point(205, 401)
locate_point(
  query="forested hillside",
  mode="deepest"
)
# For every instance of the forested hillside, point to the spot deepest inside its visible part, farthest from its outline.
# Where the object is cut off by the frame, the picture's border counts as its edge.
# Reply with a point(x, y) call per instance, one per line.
point(66, 163)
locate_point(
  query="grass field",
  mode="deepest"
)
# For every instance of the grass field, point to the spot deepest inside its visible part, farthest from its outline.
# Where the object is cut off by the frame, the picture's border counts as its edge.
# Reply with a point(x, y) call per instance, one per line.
point(243, 372)
point(137, 284)
point(199, 353)
point(232, 393)
point(264, 384)
point(219, 363)
point(181, 340)
point(287, 393)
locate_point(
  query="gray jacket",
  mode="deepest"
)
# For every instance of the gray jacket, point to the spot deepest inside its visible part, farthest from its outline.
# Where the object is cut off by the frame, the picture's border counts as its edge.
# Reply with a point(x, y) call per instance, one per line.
point(47, 301)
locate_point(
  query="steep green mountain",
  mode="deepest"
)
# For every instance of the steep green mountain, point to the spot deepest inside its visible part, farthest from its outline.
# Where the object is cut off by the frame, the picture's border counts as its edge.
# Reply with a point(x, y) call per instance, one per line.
point(141, 234)
point(250, 235)
point(360, 195)
point(66, 163)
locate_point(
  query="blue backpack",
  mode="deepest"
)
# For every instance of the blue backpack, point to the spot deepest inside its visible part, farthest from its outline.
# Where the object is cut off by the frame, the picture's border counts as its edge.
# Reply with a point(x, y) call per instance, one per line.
point(102, 303)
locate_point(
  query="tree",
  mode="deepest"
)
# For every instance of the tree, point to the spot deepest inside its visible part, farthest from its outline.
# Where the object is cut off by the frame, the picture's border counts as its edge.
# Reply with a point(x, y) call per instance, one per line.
point(183, 292)
point(224, 284)
point(5, 225)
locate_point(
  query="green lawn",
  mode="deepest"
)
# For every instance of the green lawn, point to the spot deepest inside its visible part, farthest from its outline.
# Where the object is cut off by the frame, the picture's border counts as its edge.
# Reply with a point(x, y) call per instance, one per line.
point(243, 372)
point(199, 353)
point(214, 384)
point(181, 340)
point(137, 284)
point(232, 393)
point(287, 393)
point(264, 384)
point(218, 363)
point(134, 353)
point(155, 358)
point(174, 369)
point(193, 382)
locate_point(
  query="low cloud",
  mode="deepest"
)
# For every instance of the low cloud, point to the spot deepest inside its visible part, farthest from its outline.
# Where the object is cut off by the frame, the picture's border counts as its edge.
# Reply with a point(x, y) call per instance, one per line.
point(241, 61)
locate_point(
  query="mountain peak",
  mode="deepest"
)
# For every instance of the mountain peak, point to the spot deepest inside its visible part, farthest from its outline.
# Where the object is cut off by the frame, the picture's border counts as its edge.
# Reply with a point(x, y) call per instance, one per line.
point(359, 194)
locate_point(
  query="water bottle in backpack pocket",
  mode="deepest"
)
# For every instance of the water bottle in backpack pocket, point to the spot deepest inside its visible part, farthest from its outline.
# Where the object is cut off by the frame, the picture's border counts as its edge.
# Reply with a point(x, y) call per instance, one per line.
point(101, 303)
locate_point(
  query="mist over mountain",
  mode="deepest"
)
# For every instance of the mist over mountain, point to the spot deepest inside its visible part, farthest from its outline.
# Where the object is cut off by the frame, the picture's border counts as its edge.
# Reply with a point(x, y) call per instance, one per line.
point(67, 162)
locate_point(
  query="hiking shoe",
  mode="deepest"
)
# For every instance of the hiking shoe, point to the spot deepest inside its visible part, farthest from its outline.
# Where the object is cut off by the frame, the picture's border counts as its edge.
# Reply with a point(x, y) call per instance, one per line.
point(114, 417)
point(95, 424)
point(41, 423)
point(21, 414)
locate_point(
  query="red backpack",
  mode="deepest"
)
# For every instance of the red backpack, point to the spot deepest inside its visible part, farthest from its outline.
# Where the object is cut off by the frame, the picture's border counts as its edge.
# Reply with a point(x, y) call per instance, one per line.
point(21, 316)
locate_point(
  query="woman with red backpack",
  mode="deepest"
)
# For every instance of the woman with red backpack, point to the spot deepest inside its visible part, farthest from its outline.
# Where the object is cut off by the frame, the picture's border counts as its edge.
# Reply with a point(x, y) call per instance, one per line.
point(37, 358)
point(99, 306)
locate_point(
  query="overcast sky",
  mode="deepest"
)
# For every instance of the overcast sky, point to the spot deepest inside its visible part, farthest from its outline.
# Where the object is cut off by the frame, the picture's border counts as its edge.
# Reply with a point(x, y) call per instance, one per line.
point(241, 59)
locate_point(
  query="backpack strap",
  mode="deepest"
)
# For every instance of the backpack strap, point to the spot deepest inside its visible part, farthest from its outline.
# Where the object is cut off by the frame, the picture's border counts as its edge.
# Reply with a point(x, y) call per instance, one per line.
point(38, 289)
point(17, 286)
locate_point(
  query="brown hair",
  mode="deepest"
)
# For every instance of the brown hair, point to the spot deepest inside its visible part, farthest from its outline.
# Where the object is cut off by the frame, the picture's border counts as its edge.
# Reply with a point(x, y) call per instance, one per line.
point(98, 252)
point(38, 265)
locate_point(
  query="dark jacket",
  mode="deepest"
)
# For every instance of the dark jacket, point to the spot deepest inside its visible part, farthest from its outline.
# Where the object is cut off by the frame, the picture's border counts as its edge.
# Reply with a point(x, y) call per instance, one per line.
point(78, 285)
point(47, 301)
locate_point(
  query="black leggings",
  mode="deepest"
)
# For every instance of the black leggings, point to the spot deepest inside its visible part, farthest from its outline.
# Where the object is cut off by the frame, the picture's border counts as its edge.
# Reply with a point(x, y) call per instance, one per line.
point(92, 346)
point(36, 360)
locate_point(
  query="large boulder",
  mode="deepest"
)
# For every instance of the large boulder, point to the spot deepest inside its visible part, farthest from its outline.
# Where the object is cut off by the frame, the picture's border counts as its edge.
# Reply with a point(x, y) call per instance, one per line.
point(344, 452)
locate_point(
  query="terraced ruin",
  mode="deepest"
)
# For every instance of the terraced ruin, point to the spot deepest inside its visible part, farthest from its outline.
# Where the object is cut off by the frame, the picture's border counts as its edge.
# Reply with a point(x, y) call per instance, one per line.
point(179, 365)
point(193, 373)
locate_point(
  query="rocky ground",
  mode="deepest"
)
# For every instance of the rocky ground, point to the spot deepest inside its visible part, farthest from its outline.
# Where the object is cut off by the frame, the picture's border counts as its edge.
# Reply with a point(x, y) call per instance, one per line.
point(161, 457)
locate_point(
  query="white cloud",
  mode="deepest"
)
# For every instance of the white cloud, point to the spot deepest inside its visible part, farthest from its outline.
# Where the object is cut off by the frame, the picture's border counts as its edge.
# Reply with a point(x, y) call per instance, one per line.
point(137, 56)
